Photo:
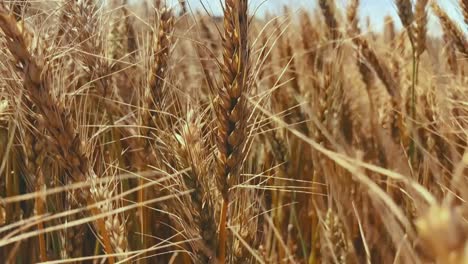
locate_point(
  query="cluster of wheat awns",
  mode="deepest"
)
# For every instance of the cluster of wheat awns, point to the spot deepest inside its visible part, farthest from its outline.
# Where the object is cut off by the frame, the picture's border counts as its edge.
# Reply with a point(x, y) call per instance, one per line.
point(156, 134)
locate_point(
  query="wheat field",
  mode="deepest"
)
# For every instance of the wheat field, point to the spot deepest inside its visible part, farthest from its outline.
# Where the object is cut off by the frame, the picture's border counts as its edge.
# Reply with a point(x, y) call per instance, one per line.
point(155, 133)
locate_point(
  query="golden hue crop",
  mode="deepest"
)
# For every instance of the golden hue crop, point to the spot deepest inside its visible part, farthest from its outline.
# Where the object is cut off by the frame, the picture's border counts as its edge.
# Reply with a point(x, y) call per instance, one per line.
point(158, 135)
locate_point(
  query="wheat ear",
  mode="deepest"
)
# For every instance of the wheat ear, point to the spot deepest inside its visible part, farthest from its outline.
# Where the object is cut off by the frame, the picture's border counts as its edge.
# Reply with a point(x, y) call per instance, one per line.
point(327, 7)
point(230, 106)
point(421, 26)
point(152, 101)
point(405, 12)
point(464, 7)
point(162, 47)
point(451, 29)
point(351, 15)
point(64, 141)
point(193, 154)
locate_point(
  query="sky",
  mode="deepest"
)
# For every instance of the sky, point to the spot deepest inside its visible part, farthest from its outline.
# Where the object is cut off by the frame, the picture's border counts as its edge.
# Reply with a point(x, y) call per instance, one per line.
point(376, 10)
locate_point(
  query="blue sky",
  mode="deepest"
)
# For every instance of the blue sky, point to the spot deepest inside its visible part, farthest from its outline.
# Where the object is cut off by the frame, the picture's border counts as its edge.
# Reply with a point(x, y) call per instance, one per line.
point(375, 9)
